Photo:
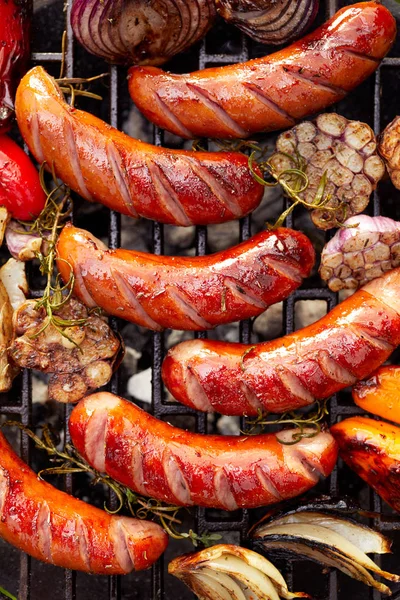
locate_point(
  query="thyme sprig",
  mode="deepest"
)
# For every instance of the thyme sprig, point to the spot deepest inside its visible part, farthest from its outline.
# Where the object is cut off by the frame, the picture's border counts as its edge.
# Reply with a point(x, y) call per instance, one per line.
point(313, 420)
point(68, 460)
point(293, 181)
point(56, 211)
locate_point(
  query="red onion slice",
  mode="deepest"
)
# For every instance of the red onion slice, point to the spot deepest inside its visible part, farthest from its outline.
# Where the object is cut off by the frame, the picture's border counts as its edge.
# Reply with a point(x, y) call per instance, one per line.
point(140, 32)
point(270, 21)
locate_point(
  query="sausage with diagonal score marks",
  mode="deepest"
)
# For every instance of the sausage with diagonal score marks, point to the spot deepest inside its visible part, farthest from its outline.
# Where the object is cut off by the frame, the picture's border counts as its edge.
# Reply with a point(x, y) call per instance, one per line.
point(272, 92)
point(177, 292)
point(346, 345)
point(59, 529)
point(105, 165)
point(180, 467)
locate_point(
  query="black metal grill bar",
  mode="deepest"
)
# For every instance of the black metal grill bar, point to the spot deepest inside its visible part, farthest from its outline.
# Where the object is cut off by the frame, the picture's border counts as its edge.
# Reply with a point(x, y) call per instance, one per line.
point(22, 406)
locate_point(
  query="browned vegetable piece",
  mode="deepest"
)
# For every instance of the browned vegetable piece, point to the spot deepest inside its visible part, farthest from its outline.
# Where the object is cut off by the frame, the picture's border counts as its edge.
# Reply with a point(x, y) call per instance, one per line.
point(80, 359)
point(341, 150)
point(372, 449)
point(7, 370)
point(379, 394)
point(13, 290)
point(5, 217)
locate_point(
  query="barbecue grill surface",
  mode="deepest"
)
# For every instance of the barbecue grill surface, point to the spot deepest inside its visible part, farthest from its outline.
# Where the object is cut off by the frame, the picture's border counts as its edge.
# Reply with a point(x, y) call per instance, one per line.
point(376, 102)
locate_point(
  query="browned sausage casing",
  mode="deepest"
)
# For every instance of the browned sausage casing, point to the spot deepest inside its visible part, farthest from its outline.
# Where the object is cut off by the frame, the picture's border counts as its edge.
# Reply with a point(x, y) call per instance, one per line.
point(59, 529)
point(346, 345)
point(105, 165)
point(157, 460)
point(184, 292)
point(273, 92)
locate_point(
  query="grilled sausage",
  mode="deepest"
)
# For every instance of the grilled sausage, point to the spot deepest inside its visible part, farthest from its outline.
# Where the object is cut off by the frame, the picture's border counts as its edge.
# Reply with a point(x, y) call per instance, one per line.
point(57, 528)
point(105, 165)
point(184, 292)
point(372, 449)
point(155, 459)
point(346, 345)
point(273, 92)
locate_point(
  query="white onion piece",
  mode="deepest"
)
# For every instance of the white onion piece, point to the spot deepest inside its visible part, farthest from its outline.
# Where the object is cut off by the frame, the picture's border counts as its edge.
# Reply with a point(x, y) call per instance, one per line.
point(239, 572)
point(5, 217)
point(13, 277)
point(22, 246)
point(211, 588)
point(365, 538)
point(234, 589)
point(322, 535)
point(251, 577)
point(324, 555)
point(140, 32)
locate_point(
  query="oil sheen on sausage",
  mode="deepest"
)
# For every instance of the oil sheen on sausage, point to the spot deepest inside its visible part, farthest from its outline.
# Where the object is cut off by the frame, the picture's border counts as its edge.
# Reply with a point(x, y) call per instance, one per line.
point(176, 292)
point(105, 165)
point(346, 345)
point(273, 92)
point(59, 529)
point(155, 459)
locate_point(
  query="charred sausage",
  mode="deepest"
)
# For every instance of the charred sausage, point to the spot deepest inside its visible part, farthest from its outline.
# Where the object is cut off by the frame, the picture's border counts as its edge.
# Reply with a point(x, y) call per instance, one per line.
point(372, 449)
point(184, 292)
point(155, 459)
point(273, 92)
point(346, 345)
point(59, 529)
point(105, 165)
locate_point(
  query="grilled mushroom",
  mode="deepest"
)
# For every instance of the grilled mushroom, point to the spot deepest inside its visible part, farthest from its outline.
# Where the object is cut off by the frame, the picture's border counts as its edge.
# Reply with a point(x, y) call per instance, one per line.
point(79, 359)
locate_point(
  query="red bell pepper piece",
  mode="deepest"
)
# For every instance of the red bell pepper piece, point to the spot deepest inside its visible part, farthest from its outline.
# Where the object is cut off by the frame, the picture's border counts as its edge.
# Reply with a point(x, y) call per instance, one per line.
point(20, 190)
point(14, 54)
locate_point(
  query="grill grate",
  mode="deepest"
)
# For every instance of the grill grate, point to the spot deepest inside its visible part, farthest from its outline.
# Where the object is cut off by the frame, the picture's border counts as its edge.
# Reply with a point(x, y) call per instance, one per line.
point(31, 580)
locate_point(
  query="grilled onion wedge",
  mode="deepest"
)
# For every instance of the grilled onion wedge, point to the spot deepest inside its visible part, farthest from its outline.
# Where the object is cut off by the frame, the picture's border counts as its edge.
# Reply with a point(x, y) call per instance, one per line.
point(227, 572)
point(13, 288)
point(331, 540)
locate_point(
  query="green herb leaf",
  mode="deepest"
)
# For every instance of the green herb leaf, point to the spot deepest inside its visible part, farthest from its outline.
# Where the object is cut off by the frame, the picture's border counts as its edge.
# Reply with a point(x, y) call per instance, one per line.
point(4, 592)
point(313, 420)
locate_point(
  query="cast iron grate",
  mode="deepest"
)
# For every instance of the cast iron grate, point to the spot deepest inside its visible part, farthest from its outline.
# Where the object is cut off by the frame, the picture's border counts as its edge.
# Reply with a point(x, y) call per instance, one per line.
point(31, 580)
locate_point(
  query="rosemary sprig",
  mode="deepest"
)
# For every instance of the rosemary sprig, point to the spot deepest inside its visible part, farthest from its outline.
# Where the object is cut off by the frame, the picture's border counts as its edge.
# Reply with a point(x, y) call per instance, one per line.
point(312, 420)
point(70, 461)
point(75, 85)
